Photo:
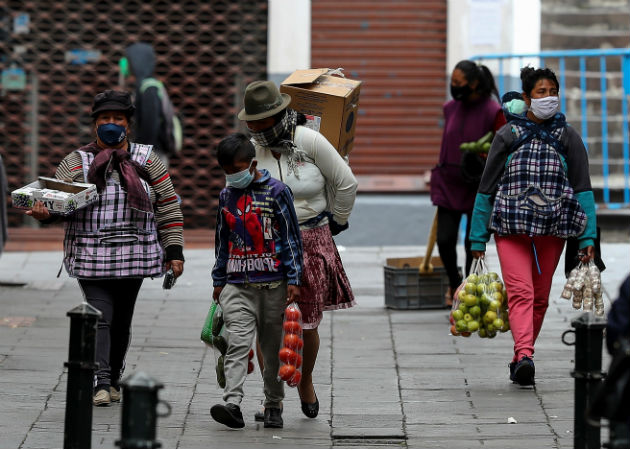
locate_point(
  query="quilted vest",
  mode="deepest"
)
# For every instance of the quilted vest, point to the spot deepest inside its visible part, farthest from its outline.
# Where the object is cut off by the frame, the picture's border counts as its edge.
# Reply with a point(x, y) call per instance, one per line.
point(108, 239)
point(534, 196)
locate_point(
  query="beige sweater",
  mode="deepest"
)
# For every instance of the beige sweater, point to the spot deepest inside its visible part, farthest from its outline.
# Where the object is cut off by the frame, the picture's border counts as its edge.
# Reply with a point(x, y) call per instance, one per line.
point(325, 182)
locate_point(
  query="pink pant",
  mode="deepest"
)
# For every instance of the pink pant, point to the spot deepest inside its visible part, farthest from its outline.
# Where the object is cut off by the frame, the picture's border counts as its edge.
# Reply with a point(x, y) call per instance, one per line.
point(528, 291)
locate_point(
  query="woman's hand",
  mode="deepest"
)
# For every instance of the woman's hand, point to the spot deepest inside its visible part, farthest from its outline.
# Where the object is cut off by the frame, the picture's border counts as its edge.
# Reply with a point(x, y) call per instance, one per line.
point(38, 211)
point(176, 265)
point(477, 254)
point(293, 293)
point(586, 254)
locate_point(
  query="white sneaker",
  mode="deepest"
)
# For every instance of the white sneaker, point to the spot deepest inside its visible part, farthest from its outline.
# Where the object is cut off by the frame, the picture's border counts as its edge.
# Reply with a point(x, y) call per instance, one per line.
point(102, 398)
point(114, 394)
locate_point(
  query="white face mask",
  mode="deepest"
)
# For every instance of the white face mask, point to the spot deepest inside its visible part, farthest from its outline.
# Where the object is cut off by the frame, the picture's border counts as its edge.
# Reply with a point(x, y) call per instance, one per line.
point(545, 107)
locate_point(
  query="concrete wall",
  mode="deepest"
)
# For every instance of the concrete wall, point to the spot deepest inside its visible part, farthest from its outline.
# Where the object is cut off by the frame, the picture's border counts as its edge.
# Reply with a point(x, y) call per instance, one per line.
point(289, 38)
point(478, 27)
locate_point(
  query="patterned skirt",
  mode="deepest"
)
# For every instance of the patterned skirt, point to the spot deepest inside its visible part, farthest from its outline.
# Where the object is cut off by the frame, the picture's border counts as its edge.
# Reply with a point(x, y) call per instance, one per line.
point(325, 286)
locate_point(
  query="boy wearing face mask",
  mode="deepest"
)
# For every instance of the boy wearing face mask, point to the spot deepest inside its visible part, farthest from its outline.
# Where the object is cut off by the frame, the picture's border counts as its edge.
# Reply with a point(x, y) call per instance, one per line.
point(535, 193)
point(257, 272)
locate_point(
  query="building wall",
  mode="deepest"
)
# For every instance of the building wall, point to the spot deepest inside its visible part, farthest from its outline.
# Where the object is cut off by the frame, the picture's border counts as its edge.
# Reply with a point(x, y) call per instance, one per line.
point(206, 53)
point(397, 49)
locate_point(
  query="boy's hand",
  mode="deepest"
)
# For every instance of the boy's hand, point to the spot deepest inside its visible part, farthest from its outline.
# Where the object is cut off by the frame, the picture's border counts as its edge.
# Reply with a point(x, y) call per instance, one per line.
point(293, 293)
point(39, 211)
point(216, 293)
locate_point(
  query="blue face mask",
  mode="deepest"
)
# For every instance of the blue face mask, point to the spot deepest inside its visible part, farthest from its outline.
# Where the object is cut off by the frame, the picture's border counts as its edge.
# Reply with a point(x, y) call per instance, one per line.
point(111, 134)
point(240, 180)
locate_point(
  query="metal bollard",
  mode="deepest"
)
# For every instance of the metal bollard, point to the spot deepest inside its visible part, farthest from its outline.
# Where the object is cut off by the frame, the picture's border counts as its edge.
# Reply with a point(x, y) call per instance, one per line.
point(588, 330)
point(139, 414)
point(81, 353)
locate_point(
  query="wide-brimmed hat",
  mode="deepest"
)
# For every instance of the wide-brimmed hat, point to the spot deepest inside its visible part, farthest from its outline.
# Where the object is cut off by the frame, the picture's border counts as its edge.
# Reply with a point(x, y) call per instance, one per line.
point(111, 100)
point(263, 99)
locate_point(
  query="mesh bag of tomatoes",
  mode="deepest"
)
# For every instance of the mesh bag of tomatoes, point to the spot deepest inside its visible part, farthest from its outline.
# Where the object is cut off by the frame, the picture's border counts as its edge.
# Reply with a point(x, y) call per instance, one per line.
point(215, 335)
point(290, 354)
point(480, 304)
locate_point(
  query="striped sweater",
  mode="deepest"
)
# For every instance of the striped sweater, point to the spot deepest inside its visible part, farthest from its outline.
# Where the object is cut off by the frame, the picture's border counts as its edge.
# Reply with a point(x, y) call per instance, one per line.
point(168, 214)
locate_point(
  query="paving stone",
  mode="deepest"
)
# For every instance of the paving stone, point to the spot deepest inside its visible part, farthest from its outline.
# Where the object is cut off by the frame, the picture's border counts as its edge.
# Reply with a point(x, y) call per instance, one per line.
point(384, 378)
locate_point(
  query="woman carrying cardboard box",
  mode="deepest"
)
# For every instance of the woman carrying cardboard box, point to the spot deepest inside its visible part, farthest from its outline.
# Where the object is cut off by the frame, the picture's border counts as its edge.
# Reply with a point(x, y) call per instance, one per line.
point(324, 189)
point(133, 231)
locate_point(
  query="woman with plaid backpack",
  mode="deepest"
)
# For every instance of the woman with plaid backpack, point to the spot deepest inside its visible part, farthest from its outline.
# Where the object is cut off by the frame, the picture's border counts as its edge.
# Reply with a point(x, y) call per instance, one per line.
point(535, 193)
point(133, 231)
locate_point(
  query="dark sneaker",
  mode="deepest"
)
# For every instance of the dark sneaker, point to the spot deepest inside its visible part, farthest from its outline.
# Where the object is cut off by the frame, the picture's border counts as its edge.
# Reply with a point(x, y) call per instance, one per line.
point(229, 415)
point(524, 372)
point(260, 416)
point(512, 366)
point(273, 418)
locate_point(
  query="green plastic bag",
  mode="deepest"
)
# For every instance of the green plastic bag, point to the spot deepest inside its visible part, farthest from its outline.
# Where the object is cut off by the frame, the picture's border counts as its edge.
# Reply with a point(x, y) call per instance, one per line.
point(213, 325)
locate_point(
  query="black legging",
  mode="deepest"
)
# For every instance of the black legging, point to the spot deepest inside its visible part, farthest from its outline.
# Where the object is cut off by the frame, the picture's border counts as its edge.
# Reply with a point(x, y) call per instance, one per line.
point(448, 228)
point(115, 299)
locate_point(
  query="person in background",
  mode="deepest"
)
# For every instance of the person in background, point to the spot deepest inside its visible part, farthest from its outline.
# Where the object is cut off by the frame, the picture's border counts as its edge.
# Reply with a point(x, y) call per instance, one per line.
point(619, 318)
point(148, 118)
point(535, 193)
point(324, 189)
point(473, 112)
point(136, 215)
point(256, 274)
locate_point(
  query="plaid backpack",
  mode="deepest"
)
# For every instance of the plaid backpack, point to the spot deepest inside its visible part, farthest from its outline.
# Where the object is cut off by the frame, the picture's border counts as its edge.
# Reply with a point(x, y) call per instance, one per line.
point(534, 196)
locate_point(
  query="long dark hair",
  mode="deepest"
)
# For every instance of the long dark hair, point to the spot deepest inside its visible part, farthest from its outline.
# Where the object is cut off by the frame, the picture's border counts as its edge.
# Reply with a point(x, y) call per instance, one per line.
point(473, 71)
point(531, 76)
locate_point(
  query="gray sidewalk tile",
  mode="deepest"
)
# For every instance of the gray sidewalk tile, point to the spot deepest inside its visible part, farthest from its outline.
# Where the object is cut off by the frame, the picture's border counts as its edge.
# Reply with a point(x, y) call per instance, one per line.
point(384, 378)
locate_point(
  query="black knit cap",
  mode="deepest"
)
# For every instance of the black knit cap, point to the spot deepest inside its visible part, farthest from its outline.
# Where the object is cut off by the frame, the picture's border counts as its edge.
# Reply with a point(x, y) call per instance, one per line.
point(112, 100)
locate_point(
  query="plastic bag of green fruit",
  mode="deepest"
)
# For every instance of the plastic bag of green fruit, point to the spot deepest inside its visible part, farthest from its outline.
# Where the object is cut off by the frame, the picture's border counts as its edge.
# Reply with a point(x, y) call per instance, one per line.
point(480, 304)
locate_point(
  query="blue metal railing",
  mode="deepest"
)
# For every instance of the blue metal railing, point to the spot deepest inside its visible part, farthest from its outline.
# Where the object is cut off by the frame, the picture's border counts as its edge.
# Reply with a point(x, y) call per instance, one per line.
point(561, 56)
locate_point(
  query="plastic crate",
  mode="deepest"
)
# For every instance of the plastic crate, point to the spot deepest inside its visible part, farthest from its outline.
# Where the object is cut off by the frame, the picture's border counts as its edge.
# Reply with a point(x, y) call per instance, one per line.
point(407, 288)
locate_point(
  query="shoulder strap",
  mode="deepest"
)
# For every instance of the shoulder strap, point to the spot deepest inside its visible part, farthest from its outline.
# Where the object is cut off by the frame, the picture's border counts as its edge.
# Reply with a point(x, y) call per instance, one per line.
point(532, 131)
point(86, 160)
point(152, 82)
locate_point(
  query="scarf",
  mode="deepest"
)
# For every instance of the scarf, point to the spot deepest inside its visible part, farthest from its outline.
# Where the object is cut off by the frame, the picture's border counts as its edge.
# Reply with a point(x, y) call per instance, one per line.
point(279, 138)
point(108, 159)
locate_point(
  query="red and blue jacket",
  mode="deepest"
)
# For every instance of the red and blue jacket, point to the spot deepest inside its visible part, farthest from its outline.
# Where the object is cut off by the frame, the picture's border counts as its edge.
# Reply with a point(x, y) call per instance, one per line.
point(257, 235)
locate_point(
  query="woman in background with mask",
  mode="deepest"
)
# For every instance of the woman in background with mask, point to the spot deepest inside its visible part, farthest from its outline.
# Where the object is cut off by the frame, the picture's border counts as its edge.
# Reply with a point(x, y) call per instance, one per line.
point(535, 192)
point(133, 231)
point(473, 112)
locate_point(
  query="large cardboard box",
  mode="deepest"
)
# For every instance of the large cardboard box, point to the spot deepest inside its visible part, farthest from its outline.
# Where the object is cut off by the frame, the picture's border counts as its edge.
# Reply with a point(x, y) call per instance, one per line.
point(60, 197)
point(330, 103)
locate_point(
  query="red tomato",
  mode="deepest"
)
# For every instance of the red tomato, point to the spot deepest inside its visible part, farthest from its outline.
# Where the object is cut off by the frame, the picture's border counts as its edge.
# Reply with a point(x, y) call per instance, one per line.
point(295, 379)
point(286, 372)
point(293, 341)
point(251, 353)
point(291, 326)
point(250, 367)
point(286, 355)
point(298, 361)
point(292, 313)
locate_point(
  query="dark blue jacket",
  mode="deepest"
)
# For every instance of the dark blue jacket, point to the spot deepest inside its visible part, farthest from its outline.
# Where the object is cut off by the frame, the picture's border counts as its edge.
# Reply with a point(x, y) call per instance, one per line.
point(257, 236)
point(619, 317)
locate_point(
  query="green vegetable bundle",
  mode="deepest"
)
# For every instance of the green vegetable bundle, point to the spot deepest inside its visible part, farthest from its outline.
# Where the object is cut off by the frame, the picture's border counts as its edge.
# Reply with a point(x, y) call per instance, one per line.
point(480, 146)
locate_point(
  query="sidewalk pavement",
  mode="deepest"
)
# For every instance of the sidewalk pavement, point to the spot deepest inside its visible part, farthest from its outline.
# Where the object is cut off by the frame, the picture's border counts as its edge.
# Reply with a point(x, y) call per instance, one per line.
point(384, 378)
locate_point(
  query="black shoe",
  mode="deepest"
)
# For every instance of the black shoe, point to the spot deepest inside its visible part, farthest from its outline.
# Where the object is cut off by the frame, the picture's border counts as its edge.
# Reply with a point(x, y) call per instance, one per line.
point(512, 366)
point(228, 414)
point(311, 409)
point(260, 415)
point(524, 372)
point(273, 418)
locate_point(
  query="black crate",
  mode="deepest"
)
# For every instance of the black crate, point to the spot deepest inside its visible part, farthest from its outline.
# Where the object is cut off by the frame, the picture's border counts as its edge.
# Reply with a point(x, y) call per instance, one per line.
point(407, 288)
